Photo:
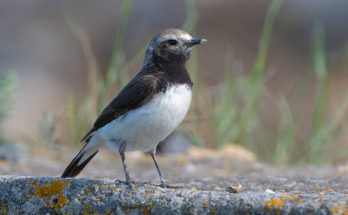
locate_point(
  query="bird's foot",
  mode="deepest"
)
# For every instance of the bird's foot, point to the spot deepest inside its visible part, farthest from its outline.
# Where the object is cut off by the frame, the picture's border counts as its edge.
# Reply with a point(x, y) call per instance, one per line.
point(130, 184)
point(164, 185)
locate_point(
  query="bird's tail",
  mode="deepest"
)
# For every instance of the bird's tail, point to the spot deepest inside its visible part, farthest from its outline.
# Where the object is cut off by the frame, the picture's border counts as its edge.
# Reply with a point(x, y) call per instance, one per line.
point(81, 159)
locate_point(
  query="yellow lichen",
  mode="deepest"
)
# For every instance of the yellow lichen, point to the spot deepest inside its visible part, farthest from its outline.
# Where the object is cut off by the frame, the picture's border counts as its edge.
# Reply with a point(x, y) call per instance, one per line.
point(192, 191)
point(3, 209)
point(213, 211)
point(275, 203)
point(329, 190)
point(54, 188)
point(87, 210)
point(33, 182)
point(345, 211)
point(322, 196)
point(339, 210)
point(293, 198)
point(187, 210)
point(147, 210)
point(278, 203)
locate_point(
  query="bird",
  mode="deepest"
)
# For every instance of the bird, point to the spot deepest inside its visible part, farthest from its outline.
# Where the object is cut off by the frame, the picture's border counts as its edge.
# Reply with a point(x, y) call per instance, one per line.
point(148, 108)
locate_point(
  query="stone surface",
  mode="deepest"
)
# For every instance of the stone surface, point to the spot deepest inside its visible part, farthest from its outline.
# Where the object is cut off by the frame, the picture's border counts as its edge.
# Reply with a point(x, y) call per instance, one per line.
point(47, 195)
point(225, 181)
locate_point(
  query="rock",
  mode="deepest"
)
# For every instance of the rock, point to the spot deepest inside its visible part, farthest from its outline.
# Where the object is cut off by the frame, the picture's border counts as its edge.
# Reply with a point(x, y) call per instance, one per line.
point(43, 195)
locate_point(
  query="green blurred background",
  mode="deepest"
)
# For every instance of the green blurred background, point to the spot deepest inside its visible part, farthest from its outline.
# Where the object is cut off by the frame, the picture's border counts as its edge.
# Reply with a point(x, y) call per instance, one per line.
point(272, 77)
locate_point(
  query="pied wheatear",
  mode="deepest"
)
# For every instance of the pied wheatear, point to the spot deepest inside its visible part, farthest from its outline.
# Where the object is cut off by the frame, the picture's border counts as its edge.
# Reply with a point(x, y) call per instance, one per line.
point(148, 108)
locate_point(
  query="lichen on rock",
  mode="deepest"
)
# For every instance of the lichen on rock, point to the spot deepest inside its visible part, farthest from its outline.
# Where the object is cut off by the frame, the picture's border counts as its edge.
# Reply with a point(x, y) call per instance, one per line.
point(53, 189)
point(44, 195)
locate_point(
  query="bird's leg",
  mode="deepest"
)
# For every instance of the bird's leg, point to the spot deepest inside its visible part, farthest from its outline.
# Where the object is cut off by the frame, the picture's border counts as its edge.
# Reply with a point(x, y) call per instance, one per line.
point(122, 150)
point(153, 155)
point(163, 184)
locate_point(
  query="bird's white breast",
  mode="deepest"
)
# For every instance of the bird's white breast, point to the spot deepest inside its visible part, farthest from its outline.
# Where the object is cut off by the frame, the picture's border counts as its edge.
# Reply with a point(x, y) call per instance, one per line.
point(143, 128)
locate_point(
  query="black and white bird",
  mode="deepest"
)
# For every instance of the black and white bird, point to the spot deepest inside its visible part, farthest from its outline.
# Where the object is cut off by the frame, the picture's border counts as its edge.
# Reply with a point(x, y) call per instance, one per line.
point(148, 108)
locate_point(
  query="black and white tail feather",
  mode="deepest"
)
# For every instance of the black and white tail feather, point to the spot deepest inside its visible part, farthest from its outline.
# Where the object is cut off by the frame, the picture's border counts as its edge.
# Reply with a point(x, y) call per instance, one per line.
point(81, 159)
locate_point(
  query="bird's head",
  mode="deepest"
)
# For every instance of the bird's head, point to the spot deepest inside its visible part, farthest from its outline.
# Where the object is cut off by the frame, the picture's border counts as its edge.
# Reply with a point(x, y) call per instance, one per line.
point(171, 45)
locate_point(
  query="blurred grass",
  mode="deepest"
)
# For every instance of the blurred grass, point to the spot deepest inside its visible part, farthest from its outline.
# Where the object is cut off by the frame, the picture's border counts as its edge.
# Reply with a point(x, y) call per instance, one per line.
point(7, 87)
point(80, 114)
point(227, 113)
point(317, 148)
point(236, 118)
point(236, 112)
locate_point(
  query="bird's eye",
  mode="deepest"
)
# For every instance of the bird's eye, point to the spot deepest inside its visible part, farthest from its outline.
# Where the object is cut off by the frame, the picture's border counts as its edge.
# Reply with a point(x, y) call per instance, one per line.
point(172, 42)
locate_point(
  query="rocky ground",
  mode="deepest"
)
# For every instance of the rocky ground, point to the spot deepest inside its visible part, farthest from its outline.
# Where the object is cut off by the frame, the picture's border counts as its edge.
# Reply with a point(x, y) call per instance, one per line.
point(221, 173)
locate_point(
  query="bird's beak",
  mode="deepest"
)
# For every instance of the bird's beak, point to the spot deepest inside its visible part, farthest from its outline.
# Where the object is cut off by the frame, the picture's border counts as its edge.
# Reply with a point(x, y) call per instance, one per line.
point(194, 42)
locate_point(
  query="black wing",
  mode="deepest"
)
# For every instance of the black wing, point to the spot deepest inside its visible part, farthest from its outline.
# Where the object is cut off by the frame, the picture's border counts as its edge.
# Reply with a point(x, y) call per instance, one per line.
point(136, 93)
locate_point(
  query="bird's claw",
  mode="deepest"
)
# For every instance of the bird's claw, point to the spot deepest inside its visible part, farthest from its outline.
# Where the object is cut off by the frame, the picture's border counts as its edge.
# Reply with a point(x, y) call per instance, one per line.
point(130, 184)
point(164, 185)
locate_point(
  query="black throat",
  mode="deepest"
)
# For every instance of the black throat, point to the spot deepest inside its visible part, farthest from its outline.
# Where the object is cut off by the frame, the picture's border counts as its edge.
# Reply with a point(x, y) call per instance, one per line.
point(169, 73)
